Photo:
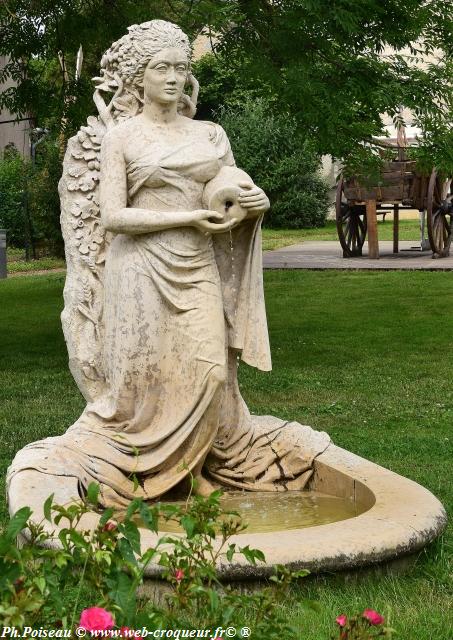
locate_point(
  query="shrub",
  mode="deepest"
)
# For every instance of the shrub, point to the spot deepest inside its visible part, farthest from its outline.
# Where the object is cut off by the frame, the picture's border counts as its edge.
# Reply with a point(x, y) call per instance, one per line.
point(29, 202)
point(94, 575)
point(368, 625)
point(268, 146)
point(12, 205)
point(45, 201)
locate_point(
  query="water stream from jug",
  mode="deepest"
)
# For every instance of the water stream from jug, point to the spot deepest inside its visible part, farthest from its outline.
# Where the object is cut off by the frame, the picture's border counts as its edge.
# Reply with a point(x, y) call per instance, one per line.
point(234, 285)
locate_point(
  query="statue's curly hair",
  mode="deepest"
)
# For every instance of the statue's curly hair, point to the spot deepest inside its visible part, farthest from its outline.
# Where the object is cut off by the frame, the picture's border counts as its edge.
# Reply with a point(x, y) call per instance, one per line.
point(129, 56)
point(123, 65)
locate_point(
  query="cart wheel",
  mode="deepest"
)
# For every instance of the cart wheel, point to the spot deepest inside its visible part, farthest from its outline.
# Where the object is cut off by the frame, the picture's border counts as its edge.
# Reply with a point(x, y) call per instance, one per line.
point(440, 215)
point(351, 224)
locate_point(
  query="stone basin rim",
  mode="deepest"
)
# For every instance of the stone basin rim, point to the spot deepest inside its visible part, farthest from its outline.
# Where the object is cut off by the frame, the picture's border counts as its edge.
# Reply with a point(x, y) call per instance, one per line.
point(401, 518)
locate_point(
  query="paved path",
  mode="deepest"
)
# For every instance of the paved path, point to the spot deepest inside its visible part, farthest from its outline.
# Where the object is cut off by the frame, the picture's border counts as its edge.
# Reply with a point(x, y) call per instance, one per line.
point(329, 255)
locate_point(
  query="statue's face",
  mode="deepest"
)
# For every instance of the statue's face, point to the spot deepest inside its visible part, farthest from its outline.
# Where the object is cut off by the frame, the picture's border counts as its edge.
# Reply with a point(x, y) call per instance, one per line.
point(165, 76)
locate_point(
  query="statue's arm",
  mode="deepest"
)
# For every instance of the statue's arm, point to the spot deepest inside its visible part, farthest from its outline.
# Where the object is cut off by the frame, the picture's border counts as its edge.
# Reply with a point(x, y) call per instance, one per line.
point(117, 217)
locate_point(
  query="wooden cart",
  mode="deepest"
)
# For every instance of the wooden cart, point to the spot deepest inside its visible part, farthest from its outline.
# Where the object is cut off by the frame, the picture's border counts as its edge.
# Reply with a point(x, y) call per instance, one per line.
point(399, 186)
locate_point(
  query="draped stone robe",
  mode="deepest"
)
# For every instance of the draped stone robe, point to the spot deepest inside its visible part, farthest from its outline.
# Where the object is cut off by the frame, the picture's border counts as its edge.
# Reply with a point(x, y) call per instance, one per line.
point(180, 307)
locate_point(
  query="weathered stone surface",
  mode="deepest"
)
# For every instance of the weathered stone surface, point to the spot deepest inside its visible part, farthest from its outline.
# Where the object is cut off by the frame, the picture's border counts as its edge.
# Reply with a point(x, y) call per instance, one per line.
point(401, 518)
point(163, 296)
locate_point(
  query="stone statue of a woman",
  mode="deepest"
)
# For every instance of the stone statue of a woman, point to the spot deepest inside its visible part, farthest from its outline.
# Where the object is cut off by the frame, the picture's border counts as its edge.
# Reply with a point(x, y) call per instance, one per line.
point(162, 298)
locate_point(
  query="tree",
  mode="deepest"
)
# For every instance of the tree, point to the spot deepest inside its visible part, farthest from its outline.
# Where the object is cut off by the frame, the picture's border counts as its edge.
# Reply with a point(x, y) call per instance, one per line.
point(334, 66)
point(13, 175)
point(41, 39)
point(324, 60)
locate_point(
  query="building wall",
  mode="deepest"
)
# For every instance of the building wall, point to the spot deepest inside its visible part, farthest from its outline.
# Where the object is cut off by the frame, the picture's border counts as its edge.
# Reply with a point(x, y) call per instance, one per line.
point(201, 45)
point(12, 132)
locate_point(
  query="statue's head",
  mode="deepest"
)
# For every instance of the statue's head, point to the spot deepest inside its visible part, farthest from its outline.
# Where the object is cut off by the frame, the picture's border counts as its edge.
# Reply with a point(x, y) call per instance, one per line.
point(134, 67)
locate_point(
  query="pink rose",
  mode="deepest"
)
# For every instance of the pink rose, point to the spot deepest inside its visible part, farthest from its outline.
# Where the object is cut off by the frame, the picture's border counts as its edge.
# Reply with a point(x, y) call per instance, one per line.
point(109, 526)
point(373, 617)
point(96, 619)
point(341, 620)
point(179, 575)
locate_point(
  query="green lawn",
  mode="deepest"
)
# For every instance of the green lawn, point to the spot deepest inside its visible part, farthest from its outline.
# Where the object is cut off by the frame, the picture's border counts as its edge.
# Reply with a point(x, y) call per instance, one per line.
point(277, 238)
point(364, 356)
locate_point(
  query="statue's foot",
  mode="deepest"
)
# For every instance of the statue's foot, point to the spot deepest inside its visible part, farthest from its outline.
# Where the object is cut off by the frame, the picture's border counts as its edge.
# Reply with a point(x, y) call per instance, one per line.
point(202, 487)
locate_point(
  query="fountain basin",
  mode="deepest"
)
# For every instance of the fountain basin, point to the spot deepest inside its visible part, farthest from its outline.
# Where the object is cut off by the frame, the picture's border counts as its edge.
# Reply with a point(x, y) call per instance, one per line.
point(396, 517)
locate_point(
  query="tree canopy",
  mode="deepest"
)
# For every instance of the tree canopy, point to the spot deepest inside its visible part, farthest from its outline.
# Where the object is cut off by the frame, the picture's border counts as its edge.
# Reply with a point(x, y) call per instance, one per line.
point(339, 64)
point(335, 65)
point(41, 39)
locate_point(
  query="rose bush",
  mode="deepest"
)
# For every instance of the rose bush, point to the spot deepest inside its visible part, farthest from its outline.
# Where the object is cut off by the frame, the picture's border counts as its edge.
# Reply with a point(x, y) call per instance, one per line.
point(367, 626)
point(96, 619)
point(45, 585)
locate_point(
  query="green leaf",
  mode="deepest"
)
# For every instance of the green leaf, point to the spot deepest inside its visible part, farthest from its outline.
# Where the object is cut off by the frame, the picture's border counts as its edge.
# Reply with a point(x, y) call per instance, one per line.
point(33, 605)
point(148, 556)
point(231, 551)
point(107, 514)
point(47, 508)
point(133, 507)
point(9, 573)
point(135, 481)
point(103, 556)
point(169, 510)
point(60, 561)
point(259, 555)
point(18, 522)
point(5, 544)
point(215, 496)
point(252, 555)
point(40, 582)
point(301, 574)
point(126, 550)
point(123, 594)
point(189, 524)
point(78, 539)
point(213, 599)
point(93, 493)
point(132, 533)
point(149, 517)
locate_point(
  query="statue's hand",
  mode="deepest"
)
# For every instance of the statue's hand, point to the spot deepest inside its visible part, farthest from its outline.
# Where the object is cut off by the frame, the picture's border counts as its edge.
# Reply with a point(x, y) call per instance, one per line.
point(203, 221)
point(253, 198)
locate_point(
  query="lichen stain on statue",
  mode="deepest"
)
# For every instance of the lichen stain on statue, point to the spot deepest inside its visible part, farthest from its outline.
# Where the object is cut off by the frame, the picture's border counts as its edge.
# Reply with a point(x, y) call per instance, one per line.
point(163, 294)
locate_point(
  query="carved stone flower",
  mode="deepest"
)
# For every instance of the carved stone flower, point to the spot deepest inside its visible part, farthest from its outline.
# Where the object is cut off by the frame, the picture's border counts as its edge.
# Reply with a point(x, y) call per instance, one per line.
point(85, 208)
point(89, 237)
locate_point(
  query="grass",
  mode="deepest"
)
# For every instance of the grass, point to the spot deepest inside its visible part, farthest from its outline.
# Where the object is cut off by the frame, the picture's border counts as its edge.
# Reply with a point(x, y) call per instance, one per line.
point(364, 356)
point(277, 238)
point(16, 262)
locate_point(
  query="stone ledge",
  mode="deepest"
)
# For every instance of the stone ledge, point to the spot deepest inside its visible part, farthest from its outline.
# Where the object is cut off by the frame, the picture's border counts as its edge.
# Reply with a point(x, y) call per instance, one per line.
point(400, 519)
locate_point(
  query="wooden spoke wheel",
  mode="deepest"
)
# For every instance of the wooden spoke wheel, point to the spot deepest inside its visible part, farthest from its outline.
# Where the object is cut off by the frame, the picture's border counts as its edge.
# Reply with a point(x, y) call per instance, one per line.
point(439, 206)
point(351, 224)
